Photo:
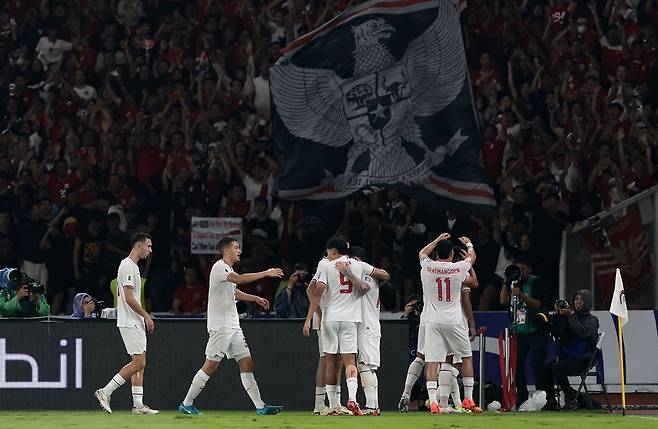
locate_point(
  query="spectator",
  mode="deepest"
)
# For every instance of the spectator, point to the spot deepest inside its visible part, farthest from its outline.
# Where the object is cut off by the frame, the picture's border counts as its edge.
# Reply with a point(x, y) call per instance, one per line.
point(191, 297)
point(84, 306)
point(292, 302)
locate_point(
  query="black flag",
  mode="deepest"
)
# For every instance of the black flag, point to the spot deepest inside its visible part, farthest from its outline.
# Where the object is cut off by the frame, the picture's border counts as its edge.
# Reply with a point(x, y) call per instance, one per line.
point(380, 96)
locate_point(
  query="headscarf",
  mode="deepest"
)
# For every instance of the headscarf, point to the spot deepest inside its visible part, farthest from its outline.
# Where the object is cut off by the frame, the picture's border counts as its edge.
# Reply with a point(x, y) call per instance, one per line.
point(78, 311)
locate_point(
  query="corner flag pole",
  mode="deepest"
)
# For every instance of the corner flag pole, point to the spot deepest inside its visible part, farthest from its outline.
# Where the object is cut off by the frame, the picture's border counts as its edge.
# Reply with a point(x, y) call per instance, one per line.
point(621, 365)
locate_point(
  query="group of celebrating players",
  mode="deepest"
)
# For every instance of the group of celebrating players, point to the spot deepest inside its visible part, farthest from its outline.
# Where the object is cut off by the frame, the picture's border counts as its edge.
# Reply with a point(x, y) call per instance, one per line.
point(344, 310)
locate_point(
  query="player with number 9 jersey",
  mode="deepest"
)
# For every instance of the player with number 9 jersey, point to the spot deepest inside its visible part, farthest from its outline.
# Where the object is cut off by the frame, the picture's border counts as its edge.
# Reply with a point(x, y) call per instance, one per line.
point(342, 303)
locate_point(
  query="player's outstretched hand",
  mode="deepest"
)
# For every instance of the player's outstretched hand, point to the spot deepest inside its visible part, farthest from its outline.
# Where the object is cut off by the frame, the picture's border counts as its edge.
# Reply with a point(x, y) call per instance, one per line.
point(307, 328)
point(274, 272)
point(443, 236)
point(150, 324)
point(263, 303)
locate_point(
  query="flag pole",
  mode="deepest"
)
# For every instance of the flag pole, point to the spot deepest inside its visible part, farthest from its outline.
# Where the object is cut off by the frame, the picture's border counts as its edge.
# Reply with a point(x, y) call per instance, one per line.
point(621, 365)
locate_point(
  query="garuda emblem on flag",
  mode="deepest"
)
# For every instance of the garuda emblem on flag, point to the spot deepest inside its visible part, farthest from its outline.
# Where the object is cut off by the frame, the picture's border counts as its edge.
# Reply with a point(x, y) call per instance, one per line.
point(369, 91)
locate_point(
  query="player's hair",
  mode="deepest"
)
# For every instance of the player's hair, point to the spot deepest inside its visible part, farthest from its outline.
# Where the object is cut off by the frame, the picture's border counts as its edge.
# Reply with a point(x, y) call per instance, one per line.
point(224, 243)
point(358, 252)
point(138, 238)
point(338, 244)
point(443, 249)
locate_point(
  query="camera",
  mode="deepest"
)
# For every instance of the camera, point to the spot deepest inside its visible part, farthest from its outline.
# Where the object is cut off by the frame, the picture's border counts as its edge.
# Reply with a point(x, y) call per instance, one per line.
point(513, 273)
point(418, 307)
point(304, 277)
point(34, 287)
point(561, 304)
point(99, 306)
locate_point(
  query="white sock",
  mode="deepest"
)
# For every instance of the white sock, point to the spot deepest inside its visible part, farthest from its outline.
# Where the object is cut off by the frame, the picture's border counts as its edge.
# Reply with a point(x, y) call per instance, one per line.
point(250, 385)
point(338, 393)
point(320, 394)
point(375, 389)
point(138, 395)
point(368, 383)
point(454, 392)
point(413, 374)
point(468, 387)
point(331, 394)
point(198, 383)
point(352, 386)
point(431, 391)
point(116, 382)
point(445, 377)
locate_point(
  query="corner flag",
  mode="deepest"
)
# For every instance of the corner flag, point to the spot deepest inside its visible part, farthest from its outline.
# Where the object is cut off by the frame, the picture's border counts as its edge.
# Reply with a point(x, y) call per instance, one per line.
point(618, 308)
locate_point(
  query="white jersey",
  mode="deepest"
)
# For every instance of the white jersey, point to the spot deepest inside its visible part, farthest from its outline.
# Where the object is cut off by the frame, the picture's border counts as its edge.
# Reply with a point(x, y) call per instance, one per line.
point(222, 312)
point(316, 276)
point(342, 302)
point(370, 308)
point(128, 275)
point(442, 284)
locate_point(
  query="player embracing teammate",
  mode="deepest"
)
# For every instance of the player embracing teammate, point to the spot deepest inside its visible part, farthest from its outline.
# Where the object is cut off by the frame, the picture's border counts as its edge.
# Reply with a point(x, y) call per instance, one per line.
point(341, 286)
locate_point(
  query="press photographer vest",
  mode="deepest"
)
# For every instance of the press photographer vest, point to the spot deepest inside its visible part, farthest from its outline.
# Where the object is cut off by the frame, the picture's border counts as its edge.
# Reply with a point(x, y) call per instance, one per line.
point(530, 325)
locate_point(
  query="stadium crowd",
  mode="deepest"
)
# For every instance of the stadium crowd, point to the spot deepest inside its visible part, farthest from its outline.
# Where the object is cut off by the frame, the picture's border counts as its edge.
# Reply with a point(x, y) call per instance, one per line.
point(135, 115)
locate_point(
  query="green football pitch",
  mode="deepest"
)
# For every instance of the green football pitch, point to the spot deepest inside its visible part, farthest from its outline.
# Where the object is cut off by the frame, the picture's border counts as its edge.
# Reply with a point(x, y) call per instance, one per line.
point(294, 420)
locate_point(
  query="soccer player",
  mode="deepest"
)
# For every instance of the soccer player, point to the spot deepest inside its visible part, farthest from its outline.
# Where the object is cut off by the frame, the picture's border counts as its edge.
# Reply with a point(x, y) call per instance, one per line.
point(341, 279)
point(416, 367)
point(442, 282)
point(468, 324)
point(369, 335)
point(131, 318)
point(225, 335)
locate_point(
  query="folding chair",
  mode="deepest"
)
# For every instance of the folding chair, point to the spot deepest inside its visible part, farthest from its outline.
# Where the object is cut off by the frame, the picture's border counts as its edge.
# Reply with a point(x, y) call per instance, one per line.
point(594, 370)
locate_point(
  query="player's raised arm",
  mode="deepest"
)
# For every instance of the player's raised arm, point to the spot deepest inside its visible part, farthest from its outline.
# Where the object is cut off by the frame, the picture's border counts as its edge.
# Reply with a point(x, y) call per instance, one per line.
point(242, 279)
point(469, 249)
point(425, 251)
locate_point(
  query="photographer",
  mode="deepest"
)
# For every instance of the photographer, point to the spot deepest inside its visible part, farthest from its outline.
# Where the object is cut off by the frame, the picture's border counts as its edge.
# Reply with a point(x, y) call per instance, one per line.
point(293, 302)
point(21, 296)
point(413, 313)
point(84, 307)
point(525, 294)
point(575, 329)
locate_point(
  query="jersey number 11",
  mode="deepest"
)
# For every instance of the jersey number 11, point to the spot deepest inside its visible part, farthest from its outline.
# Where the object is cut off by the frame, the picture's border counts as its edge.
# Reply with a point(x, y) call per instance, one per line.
point(439, 283)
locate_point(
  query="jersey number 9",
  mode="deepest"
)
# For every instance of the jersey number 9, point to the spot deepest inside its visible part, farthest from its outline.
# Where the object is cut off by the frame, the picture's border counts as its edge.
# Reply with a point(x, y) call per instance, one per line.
point(345, 282)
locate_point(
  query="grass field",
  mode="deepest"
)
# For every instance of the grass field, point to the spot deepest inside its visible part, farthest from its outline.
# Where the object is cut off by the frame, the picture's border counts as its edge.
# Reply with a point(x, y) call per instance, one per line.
point(293, 420)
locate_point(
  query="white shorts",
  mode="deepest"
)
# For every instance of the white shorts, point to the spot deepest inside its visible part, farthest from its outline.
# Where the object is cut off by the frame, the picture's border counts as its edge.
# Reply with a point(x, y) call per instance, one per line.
point(134, 338)
point(420, 348)
point(338, 337)
point(456, 358)
point(442, 340)
point(320, 351)
point(227, 343)
point(368, 346)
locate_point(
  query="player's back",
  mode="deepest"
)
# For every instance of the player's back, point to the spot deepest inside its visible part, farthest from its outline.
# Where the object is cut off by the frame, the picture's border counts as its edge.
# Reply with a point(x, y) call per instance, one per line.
point(222, 312)
point(128, 275)
point(442, 283)
point(342, 300)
